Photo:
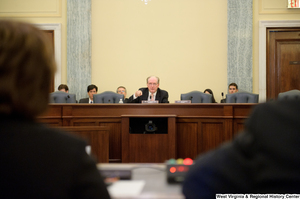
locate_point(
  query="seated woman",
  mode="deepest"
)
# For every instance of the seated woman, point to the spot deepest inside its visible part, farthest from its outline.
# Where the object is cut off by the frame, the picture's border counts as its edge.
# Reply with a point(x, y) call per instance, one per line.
point(209, 91)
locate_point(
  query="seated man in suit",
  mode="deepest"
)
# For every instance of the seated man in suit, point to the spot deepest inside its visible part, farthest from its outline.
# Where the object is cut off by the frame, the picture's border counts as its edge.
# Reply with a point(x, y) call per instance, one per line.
point(37, 161)
point(122, 91)
point(63, 88)
point(91, 90)
point(232, 88)
point(151, 93)
point(263, 159)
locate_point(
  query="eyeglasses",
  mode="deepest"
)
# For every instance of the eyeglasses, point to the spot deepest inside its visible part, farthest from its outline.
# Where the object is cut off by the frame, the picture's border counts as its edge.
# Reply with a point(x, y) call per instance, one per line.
point(121, 91)
point(152, 84)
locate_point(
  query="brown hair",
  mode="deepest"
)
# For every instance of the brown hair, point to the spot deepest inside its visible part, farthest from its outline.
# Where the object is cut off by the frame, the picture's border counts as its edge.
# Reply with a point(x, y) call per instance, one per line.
point(26, 67)
point(91, 87)
point(233, 84)
point(63, 86)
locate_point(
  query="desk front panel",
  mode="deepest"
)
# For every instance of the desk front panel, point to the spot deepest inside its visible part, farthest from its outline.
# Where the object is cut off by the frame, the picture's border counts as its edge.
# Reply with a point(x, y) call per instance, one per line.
point(199, 127)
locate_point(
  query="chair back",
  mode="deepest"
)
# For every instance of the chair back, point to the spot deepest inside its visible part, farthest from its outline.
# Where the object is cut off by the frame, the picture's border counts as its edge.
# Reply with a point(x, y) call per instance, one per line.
point(289, 95)
point(62, 97)
point(242, 97)
point(108, 97)
point(197, 97)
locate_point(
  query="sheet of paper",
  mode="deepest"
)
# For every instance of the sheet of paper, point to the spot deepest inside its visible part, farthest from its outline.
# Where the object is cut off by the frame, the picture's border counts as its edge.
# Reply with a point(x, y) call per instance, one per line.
point(126, 188)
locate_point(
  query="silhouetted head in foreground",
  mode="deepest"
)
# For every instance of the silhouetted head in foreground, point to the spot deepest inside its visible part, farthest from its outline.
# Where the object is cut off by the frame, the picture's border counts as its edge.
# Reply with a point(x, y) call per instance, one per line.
point(26, 67)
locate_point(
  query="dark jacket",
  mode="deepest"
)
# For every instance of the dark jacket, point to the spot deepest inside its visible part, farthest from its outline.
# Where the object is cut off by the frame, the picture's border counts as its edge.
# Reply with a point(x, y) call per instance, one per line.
point(161, 95)
point(84, 100)
point(40, 162)
point(263, 159)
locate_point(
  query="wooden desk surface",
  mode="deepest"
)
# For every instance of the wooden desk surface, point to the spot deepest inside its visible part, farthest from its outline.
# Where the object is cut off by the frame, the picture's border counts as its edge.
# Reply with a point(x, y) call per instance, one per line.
point(199, 127)
point(181, 110)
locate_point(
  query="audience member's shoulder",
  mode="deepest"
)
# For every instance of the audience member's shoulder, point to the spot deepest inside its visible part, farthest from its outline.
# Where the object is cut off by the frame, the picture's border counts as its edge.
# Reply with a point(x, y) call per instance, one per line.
point(287, 105)
point(39, 131)
point(274, 115)
point(61, 135)
point(288, 102)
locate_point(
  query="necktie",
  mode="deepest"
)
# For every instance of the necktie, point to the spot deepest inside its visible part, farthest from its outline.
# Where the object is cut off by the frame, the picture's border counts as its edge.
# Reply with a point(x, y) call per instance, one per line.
point(152, 97)
point(91, 102)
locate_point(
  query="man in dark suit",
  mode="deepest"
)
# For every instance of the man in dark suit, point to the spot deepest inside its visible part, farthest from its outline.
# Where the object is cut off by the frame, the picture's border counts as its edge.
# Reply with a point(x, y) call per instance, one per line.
point(151, 93)
point(37, 161)
point(263, 159)
point(91, 90)
point(232, 88)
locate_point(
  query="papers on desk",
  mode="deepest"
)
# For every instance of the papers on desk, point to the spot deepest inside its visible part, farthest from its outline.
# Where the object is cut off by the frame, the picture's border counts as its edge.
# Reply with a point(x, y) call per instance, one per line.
point(126, 188)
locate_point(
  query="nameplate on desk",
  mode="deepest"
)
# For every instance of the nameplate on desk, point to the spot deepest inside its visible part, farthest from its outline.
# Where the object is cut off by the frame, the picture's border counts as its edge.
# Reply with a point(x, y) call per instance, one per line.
point(183, 101)
point(149, 102)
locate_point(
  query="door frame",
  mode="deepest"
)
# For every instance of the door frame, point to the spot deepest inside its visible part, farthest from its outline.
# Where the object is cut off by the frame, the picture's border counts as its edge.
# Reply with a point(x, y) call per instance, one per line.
point(56, 27)
point(262, 51)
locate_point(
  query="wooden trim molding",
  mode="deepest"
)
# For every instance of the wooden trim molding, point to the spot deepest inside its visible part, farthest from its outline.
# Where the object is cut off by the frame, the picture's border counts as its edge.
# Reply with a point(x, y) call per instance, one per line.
point(21, 8)
point(263, 25)
point(56, 27)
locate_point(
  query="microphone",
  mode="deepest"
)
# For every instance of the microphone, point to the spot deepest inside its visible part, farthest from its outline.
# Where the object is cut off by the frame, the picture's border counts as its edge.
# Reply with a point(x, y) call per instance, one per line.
point(191, 98)
point(222, 95)
point(150, 97)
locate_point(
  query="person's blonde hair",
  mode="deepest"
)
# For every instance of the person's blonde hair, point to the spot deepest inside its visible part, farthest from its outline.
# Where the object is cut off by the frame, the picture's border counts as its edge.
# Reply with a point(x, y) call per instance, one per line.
point(152, 76)
point(26, 68)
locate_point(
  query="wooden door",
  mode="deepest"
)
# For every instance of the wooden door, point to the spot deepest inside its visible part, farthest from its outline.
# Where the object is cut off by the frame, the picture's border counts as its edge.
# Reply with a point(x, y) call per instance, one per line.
point(283, 60)
point(50, 34)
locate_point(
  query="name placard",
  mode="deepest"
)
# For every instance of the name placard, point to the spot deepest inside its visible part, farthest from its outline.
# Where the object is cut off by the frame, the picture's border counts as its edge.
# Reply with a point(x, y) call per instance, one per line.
point(183, 101)
point(149, 102)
